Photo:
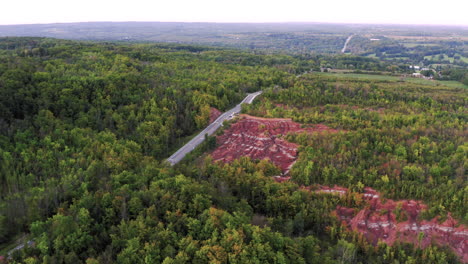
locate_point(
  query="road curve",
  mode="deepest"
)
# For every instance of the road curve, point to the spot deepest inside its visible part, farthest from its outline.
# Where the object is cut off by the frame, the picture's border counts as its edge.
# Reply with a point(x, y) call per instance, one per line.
point(210, 129)
point(343, 50)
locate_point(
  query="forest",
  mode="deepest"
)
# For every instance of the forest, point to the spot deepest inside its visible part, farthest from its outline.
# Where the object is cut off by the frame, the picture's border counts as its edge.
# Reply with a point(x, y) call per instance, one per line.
point(85, 128)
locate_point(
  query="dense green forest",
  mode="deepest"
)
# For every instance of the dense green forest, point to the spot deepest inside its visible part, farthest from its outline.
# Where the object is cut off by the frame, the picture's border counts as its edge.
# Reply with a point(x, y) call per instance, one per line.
point(85, 129)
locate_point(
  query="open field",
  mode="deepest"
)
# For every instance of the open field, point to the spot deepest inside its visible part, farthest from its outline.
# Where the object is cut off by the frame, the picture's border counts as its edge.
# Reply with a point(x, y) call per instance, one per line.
point(452, 84)
point(430, 38)
point(412, 45)
point(445, 57)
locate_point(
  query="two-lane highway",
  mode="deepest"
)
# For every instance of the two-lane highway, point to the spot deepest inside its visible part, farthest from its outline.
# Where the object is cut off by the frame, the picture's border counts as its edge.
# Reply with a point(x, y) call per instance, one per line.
point(210, 129)
point(343, 50)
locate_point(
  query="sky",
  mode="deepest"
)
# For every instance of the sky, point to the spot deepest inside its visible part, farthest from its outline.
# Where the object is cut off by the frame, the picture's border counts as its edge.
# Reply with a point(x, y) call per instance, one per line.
point(450, 12)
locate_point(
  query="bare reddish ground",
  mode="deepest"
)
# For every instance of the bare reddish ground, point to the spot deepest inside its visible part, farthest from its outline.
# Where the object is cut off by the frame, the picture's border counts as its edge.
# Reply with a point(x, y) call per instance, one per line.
point(334, 190)
point(281, 179)
point(214, 113)
point(260, 138)
point(378, 222)
point(282, 106)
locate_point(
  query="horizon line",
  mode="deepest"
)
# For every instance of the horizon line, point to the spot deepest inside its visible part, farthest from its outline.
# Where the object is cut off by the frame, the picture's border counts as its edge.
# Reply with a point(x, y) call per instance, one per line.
point(243, 22)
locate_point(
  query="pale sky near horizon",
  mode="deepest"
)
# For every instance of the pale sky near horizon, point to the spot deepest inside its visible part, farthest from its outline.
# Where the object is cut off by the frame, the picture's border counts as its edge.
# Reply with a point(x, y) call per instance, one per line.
point(453, 12)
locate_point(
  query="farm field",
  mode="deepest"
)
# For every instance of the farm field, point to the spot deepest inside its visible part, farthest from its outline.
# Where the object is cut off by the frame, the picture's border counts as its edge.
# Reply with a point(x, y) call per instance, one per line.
point(453, 84)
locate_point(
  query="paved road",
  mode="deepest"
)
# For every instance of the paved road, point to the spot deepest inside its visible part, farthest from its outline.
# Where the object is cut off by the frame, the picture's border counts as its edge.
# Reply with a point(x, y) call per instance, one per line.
point(343, 50)
point(19, 247)
point(210, 129)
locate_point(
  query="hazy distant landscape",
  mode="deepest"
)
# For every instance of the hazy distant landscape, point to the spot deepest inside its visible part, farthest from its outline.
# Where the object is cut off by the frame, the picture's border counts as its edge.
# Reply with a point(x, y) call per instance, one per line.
point(393, 42)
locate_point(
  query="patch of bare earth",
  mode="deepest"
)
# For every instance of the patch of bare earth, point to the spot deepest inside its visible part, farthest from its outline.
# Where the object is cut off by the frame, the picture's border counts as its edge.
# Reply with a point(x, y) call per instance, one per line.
point(261, 138)
point(378, 222)
point(214, 114)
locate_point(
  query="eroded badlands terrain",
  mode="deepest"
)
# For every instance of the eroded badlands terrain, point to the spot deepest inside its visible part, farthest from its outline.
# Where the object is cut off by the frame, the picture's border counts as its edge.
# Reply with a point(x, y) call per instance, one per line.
point(261, 138)
point(380, 220)
point(214, 113)
point(399, 220)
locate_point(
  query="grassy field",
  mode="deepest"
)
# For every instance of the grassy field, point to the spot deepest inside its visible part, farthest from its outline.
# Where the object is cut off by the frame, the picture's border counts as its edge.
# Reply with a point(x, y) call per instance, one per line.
point(452, 84)
point(412, 45)
point(446, 57)
point(363, 76)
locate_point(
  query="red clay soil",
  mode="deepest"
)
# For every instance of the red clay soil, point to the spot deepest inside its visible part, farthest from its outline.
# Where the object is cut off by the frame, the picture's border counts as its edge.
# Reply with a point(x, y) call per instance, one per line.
point(214, 113)
point(281, 179)
point(282, 106)
point(260, 138)
point(378, 222)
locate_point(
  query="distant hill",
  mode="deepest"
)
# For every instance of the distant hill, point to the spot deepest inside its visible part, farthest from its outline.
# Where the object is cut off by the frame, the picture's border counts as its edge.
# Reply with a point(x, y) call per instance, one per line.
point(297, 38)
point(326, 38)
